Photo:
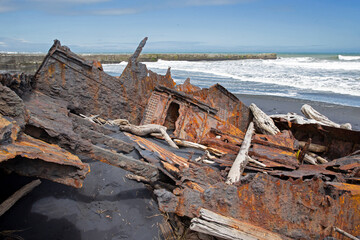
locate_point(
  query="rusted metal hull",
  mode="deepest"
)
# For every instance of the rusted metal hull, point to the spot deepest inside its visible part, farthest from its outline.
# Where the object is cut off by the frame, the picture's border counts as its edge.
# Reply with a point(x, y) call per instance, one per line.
point(338, 142)
point(296, 209)
point(89, 90)
point(191, 120)
point(32, 157)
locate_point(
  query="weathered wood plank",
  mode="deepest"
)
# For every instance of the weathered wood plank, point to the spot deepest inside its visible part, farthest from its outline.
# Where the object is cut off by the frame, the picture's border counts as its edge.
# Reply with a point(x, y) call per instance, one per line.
point(229, 228)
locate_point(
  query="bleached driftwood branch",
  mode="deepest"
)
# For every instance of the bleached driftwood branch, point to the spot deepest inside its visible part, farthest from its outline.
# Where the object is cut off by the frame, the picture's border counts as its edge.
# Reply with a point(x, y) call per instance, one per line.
point(310, 112)
point(241, 159)
point(143, 130)
point(309, 159)
point(319, 159)
point(250, 159)
point(262, 121)
point(184, 143)
point(295, 118)
point(190, 144)
point(223, 227)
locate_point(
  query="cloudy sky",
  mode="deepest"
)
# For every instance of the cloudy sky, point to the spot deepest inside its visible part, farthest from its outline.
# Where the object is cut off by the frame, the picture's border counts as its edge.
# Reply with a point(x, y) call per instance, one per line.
point(181, 25)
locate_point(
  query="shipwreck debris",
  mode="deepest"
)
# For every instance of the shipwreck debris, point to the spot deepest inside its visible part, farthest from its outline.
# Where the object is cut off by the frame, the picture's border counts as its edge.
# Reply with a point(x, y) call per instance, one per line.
point(71, 108)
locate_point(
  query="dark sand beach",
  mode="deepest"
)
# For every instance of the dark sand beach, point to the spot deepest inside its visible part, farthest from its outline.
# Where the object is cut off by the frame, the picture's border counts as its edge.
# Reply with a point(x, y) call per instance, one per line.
point(108, 206)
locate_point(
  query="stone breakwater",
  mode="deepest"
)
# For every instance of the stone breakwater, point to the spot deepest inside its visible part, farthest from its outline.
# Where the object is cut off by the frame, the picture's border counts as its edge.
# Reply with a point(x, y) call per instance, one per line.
point(29, 63)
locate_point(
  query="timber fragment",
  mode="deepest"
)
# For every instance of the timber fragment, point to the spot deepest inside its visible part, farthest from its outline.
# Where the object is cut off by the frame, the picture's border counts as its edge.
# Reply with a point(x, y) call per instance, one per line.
point(224, 227)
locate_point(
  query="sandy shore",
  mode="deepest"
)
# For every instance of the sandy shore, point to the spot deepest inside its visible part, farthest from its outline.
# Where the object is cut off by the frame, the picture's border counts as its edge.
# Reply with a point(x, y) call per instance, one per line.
point(282, 105)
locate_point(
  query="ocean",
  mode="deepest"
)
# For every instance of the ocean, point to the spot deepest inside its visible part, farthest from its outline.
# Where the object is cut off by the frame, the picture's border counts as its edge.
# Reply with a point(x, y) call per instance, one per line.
point(326, 78)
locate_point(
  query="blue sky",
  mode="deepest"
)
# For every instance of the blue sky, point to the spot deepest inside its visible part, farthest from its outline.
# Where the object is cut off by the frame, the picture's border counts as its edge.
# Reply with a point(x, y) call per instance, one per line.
point(181, 26)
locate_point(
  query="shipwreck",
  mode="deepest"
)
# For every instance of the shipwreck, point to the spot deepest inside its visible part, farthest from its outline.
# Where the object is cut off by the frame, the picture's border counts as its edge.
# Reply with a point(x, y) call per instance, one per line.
point(258, 177)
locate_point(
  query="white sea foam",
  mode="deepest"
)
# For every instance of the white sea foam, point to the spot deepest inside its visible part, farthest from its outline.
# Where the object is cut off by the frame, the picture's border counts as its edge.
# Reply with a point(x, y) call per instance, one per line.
point(349, 58)
point(303, 73)
point(115, 67)
point(285, 76)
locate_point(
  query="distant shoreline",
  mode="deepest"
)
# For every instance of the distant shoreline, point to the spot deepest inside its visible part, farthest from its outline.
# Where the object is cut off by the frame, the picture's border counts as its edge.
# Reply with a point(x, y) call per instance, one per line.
point(29, 62)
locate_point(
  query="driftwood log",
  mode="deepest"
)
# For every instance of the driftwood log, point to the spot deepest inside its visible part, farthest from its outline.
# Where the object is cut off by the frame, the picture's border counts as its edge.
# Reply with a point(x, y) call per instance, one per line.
point(262, 121)
point(143, 130)
point(241, 159)
point(310, 112)
point(8, 203)
point(223, 227)
point(316, 148)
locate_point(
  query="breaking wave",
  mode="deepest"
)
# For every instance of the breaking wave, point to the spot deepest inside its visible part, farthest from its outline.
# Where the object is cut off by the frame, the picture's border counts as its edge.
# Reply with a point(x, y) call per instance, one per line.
point(306, 77)
point(349, 58)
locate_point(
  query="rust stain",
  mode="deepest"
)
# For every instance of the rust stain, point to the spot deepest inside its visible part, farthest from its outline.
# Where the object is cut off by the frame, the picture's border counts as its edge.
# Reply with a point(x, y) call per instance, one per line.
point(63, 71)
point(352, 188)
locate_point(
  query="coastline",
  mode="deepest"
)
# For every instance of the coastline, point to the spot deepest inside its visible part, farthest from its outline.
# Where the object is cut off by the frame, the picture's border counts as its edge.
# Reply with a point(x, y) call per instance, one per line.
point(30, 62)
point(282, 105)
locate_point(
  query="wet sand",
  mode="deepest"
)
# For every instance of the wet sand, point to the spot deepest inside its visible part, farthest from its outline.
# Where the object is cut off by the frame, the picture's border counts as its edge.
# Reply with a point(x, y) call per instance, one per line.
point(109, 206)
point(282, 105)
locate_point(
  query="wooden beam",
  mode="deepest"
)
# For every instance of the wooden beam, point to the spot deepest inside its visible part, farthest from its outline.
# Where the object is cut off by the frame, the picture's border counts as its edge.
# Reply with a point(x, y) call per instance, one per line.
point(217, 225)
